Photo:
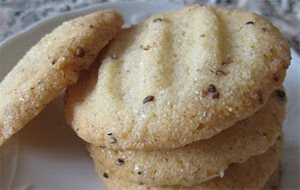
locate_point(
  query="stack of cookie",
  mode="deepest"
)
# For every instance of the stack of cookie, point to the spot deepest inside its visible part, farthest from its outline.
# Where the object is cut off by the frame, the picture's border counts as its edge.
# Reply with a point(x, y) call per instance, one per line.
point(190, 99)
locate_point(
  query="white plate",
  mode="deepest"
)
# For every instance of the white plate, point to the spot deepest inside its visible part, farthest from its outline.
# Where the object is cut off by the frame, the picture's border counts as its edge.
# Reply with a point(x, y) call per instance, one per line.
point(47, 154)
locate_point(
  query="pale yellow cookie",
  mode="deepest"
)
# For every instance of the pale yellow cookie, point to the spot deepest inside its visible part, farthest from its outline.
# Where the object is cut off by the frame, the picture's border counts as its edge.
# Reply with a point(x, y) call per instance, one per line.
point(51, 65)
point(252, 174)
point(201, 160)
point(177, 78)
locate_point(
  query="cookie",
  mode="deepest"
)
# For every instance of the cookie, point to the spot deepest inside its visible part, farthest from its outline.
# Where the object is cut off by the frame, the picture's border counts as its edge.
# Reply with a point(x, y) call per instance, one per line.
point(51, 65)
point(252, 174)
point(177, 78)
point(201, 160)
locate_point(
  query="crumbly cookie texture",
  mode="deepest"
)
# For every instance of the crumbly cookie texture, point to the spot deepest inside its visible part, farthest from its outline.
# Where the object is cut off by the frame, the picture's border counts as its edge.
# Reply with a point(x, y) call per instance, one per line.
point(252, 174)
point(51, 65)
point(201, 160)
point(177, 78)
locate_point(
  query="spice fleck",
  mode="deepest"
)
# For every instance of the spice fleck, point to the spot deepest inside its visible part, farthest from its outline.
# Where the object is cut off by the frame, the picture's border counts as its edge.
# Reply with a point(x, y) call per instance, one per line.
point(281, 94)
point(211, 88)
point(120, 162)
point(105, 175)
point(250, 22)
point(148, 99)
point(213, 91)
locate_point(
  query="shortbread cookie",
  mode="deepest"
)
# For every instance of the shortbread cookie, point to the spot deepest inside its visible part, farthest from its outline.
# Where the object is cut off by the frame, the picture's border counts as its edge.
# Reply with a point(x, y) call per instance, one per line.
point(252, 174)
point(177, 78)
point(50, 66)
point(201, 160)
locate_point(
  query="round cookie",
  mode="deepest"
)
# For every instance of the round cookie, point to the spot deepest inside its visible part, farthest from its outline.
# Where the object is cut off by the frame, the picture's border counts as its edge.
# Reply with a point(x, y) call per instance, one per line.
point(177, 78)
point(201, 160)
point(51, 65)
point(252, 174)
